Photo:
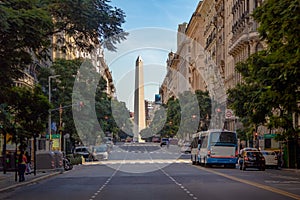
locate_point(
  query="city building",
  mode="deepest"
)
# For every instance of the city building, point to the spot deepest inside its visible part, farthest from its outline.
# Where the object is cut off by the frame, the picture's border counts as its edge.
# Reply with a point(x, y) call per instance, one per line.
point(220, 34)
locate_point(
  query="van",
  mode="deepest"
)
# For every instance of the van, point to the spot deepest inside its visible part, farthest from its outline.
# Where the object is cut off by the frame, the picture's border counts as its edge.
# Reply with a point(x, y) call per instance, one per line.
point(271, 158)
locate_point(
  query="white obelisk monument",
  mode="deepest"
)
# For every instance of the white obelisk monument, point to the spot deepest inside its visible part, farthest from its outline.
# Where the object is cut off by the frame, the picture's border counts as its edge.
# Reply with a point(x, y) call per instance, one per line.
point(139, 100)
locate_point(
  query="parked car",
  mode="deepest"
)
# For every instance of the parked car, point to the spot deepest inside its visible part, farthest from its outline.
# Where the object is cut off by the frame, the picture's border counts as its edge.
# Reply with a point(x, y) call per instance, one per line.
point(100, 152)
point(128, 139)
point(173, 141)
point(252, 159)
point(164, 141)
point(156, 139)
point(186, 148)
point(271, 158)
point(242, 152)
point(84, 152)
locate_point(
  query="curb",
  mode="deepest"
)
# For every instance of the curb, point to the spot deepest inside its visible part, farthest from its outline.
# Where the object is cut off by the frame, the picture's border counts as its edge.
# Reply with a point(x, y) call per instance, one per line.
point(29, 182)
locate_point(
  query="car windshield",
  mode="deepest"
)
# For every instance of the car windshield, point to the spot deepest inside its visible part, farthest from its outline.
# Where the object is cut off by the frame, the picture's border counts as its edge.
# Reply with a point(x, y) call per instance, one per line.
point(84, 150)
point(254, 154)
point(100, 149)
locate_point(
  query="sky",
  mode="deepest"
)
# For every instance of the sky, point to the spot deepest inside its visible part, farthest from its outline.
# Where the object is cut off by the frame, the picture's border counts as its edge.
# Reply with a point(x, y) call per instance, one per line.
point(152, 26)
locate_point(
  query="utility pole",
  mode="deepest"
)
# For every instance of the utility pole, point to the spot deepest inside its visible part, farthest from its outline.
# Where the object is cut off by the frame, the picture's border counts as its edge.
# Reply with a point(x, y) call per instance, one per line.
point(49, 112)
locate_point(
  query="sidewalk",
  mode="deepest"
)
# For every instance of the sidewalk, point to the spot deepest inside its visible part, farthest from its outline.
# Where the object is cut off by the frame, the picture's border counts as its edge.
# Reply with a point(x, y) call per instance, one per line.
point(7, 181)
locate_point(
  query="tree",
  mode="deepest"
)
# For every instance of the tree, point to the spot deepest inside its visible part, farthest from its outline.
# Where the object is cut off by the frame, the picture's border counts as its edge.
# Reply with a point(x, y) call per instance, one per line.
point(30, 110)
point(194, 115)
point(23, 30)
point(205, 108)
point(27, 27)
point(269, 93)
point(82, 83)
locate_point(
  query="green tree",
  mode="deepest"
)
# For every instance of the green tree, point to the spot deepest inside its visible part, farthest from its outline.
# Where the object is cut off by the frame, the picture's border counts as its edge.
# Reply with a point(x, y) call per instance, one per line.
point(121, 117)
point(27, 27)
point(181, 117)
point(269, 93)
point(23, 32)
point(29, 111)
point(90, 89)
point(205, 109)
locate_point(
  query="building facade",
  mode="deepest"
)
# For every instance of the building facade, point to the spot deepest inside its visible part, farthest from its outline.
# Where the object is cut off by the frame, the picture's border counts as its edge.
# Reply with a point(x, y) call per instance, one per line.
point(227, 34)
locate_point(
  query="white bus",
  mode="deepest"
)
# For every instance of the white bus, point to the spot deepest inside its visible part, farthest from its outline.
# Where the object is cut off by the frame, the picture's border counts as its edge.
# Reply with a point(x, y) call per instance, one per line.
point(217, 147)
point(194, 148)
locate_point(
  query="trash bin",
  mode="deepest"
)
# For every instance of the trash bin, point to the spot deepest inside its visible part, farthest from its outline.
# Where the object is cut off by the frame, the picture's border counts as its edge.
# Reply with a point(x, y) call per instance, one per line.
point(45, 160)
point(58, 155)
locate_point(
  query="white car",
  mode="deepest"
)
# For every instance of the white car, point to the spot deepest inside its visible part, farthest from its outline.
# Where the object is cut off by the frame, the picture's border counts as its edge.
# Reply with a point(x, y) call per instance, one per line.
point(271, 158)
point(100, 152)
point(186, 148)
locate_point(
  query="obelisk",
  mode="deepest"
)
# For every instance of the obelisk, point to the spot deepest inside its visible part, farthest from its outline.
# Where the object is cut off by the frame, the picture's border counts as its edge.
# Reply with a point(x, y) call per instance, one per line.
point(139, 100)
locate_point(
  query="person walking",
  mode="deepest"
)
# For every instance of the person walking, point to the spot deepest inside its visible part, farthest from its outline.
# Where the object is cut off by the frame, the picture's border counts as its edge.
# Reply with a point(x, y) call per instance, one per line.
point(28, 163)
point(22, 166)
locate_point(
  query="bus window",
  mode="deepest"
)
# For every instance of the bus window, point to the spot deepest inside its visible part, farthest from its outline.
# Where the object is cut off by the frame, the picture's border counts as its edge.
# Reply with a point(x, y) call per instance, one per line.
point(204, 142)
point(223, 137)
point(199, 144)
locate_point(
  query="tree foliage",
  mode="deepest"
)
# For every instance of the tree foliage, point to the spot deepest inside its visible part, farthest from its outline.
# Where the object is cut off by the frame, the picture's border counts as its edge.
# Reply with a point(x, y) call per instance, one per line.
point(82, 83)
point(28, 26)
point(194, 115)
point(269, 92)
point(26, 114)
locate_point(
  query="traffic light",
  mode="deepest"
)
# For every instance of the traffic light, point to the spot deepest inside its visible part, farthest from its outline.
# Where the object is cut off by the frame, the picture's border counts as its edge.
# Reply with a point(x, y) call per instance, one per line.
point(255, 136)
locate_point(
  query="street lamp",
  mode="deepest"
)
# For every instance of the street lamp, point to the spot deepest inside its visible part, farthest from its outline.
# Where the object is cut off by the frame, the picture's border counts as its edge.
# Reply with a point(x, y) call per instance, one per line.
point(49, 115)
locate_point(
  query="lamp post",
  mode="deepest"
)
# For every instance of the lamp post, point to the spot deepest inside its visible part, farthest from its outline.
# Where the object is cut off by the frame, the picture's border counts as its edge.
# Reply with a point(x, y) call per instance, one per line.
point(49, 116)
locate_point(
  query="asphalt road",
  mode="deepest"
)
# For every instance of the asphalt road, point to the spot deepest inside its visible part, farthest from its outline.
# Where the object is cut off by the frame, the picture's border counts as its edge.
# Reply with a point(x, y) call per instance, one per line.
point(148, 172)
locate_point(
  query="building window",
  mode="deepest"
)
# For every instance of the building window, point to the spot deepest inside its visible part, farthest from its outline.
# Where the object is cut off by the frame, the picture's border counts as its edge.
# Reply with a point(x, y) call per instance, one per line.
point(267, 143)
point(259, 47)
point(42, 144)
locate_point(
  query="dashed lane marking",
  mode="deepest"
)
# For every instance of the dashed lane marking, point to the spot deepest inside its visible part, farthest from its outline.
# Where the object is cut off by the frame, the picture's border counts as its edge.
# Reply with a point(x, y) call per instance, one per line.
point(153, 161)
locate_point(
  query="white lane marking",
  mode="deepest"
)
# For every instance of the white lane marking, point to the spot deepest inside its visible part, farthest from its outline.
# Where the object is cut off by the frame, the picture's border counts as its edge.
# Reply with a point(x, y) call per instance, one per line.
point(179, 184)
point(147, 161)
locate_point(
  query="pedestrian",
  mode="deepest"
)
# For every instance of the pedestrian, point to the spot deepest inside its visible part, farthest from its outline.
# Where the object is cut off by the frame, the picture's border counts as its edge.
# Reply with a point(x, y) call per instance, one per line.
point(22, 166)
point(28, 163)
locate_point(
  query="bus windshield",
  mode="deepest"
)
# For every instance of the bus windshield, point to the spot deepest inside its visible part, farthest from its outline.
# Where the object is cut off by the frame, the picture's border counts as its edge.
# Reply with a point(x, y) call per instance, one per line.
point(223, 139)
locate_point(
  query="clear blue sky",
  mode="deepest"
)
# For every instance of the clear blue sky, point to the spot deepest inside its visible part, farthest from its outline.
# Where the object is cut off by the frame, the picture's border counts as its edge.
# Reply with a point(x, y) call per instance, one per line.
point(152, 27)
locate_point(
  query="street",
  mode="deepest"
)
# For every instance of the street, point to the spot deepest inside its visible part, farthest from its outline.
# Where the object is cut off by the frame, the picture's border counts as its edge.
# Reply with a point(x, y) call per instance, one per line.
point(146, 171)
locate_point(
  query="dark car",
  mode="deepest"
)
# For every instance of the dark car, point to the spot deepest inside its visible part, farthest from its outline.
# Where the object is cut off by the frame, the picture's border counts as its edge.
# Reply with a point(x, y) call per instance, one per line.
point(84, 152)
point(164, 141)
point(252, 159)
